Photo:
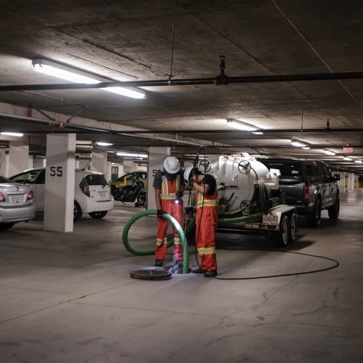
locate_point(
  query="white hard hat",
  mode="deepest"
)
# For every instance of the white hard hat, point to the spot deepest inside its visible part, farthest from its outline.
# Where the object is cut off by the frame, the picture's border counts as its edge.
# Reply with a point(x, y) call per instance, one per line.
point(171, 164)
point(187, 173)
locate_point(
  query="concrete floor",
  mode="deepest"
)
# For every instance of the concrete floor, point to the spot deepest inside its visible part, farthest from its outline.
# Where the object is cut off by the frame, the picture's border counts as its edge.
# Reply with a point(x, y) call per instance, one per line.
point(69, 298)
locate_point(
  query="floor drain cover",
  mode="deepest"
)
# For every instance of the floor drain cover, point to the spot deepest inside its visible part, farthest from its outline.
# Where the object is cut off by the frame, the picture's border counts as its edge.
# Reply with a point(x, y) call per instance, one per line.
point(151, 274)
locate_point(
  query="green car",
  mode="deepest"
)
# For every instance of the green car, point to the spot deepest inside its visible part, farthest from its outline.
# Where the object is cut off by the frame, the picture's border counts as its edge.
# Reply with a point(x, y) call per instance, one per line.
point(129, 178)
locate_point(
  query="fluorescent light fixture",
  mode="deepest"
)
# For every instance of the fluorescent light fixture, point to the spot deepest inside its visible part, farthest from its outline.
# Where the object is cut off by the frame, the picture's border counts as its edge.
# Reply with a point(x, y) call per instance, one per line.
point(328, 152)
point(306, 147)
point(78, 76)
point(297, 143)
point(15, 134)
point(102, 143)
point(359, 161)
point(132, 155)
point(257, 132)
point(347, 158)
point(240, 125)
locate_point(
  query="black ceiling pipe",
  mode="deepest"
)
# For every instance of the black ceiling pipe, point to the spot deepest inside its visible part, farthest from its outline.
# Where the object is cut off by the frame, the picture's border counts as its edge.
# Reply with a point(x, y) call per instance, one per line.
point(189, 82)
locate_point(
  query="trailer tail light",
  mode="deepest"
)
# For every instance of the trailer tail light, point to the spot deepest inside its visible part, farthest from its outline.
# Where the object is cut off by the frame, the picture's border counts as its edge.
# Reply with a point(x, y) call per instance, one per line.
point(30, 195)
point(2, 197)
point(84, 187)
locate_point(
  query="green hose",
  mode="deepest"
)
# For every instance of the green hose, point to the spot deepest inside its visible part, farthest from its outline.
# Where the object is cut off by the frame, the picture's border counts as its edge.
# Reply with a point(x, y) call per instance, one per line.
point(181, 233)
point(176, 225)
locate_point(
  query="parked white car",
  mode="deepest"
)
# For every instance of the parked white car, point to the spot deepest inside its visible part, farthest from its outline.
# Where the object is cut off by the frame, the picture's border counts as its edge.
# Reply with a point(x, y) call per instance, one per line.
point(92, 193)
point(16, 203)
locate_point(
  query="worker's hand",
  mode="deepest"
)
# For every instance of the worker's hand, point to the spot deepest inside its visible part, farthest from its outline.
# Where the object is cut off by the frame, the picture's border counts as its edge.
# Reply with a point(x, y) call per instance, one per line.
point(191, 182)
point(160, 212)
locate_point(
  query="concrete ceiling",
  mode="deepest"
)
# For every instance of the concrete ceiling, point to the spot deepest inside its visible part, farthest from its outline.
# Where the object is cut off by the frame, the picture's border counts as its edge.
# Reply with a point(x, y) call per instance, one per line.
point(171, 49)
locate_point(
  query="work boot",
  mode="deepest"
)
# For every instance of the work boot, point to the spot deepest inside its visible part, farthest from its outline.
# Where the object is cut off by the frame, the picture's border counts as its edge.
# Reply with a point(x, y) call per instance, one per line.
point(198, 270)
point(210, 273)
point(159, 263)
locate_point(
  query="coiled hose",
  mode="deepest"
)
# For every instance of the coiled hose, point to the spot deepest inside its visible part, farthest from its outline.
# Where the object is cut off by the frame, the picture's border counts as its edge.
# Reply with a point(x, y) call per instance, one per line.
point(150, 251)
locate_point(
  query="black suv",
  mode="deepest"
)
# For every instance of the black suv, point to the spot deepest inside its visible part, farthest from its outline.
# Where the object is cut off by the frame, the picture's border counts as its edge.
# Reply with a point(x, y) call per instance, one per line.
point(309, 186)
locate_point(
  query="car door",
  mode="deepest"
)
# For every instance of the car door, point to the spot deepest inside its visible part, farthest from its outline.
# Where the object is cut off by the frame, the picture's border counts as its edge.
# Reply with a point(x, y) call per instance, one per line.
point(325, 186)
point(331, 186)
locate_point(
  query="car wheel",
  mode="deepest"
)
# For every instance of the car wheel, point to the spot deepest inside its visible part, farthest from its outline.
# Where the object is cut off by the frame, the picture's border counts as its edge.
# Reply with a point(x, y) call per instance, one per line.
point(333, 211)
point(292, 228)
point(98, 215)
point(5, 226)
point(315, 218)
point(77, 212)
point(282, 238)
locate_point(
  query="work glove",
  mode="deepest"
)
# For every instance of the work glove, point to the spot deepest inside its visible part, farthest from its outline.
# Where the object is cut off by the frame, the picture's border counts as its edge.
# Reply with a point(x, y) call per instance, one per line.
point(160, 212)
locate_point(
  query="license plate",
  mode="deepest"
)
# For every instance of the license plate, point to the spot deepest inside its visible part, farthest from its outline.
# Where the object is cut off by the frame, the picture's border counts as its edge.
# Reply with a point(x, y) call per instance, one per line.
point(15, 199)
point(270, 219)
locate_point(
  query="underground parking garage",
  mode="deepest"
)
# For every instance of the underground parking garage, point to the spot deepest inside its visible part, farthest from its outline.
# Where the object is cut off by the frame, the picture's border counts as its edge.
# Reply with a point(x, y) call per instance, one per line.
point(69, 297)
point(91, 93)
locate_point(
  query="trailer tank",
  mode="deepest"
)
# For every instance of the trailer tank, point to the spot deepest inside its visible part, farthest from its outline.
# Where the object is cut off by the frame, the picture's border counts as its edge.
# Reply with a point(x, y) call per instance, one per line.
point(243, 179)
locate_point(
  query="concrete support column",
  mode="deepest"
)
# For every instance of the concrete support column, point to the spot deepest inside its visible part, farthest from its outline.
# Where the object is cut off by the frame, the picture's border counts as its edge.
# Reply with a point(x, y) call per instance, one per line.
point(99, 162)
point(128, 166)
point(18, 157)
point(351, 181)
point(4, 163)
point(156, 159)
point(59, 182)
point(39, 163)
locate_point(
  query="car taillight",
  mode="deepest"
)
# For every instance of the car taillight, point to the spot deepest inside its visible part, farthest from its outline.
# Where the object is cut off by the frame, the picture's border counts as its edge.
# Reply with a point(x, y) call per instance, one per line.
point(306, 192)
point(2, 197)
point(30, 195)
point(84, 188)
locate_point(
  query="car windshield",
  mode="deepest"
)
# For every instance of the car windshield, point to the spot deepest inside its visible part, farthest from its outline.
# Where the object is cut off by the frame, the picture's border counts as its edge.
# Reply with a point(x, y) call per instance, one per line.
point(4, 180)
point(96, 179)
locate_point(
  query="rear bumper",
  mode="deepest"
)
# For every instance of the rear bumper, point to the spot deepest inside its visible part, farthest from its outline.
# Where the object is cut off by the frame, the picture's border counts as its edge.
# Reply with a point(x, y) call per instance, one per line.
point(14, 215)
point(89, 205)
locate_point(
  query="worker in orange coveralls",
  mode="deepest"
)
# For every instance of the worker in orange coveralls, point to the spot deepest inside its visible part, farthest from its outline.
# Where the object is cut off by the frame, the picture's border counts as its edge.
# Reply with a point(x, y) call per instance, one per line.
point(205, 186)
point(169, 187)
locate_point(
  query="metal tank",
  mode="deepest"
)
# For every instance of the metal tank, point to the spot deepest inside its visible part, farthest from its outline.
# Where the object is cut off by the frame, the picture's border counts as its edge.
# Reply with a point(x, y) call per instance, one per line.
point(242, 176)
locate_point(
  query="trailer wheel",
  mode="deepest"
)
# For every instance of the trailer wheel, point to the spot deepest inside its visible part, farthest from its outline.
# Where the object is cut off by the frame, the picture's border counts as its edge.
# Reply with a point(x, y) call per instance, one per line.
point(292, 228)
point(282, 238)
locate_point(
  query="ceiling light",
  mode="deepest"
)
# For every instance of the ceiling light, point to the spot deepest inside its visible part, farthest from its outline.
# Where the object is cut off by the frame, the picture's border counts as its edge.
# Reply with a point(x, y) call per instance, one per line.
point(8, 133)
point(78, 76)
point(102, 143)
point(306, 147)
point(257, 132)
point(359, 161)
point(347, 158)
point(328, 152)
point(240, 125)
point(132, 155)
point(297, 143)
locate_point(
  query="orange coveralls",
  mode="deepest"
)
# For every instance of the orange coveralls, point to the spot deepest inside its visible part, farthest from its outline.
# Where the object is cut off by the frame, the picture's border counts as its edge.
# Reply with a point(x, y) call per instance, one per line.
point(168, 191)
point(206, 226)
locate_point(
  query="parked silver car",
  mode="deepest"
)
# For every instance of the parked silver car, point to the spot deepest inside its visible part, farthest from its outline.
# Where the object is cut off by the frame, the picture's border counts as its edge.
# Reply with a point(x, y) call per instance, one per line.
point(92, 193)
point(16, 203)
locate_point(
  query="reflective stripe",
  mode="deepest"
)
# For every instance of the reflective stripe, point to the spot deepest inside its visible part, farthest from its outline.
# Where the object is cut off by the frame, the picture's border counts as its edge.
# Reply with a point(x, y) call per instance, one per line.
point(207, 203)
point(206, 250)
point(176, 241)
point(160, 241)
point(167, 196)
point(167, 186)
